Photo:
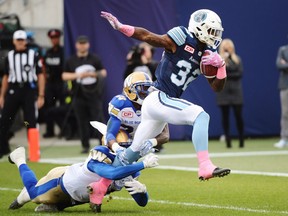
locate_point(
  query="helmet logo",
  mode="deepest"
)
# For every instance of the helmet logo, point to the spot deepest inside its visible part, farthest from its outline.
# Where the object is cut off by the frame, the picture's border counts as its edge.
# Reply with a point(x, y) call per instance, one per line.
point(200, 16)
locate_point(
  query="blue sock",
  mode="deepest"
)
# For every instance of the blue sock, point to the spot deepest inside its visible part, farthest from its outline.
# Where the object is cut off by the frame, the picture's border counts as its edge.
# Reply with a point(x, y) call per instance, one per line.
point(200, 132)
point(29, 179)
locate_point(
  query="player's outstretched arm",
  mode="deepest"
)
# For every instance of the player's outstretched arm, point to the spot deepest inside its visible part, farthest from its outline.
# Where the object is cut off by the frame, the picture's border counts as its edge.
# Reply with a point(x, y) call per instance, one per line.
point(138, 191)
point(140, 33)
point(114, 173)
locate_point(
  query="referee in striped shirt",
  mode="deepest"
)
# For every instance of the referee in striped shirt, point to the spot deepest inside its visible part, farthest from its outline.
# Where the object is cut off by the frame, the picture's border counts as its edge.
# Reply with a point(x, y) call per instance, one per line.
point(23, 86)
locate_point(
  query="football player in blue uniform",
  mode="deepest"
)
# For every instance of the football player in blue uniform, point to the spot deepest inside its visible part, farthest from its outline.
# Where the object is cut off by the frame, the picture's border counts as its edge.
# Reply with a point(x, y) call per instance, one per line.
point(178, 67)
point(125, 116)
point(125, 111)
point(67, 186)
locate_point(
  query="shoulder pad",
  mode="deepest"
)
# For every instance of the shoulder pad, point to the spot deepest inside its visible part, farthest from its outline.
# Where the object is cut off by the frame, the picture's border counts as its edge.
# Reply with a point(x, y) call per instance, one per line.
point(116, 104)
point(178, 35)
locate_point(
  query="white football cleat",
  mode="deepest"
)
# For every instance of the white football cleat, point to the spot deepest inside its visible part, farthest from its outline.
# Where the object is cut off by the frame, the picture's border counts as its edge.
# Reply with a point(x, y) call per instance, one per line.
point(281, 144)
point(17, 156)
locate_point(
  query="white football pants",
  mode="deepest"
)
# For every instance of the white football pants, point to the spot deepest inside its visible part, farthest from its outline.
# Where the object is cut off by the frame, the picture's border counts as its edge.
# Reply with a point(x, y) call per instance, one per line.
point(159, 109)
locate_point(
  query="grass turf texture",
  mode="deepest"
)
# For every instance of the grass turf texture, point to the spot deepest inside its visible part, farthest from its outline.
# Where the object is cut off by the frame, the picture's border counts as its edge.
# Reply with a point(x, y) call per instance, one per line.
point(174, 192)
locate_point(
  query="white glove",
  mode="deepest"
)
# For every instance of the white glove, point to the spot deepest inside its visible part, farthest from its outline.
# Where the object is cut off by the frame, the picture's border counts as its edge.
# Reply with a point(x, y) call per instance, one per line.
point(116, 147)
point(112, 20)
point(151, 160)
point(134, 187)
point(119, 184)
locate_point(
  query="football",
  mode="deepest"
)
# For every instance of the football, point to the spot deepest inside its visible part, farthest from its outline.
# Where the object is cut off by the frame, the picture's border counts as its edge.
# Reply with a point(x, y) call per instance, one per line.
point(208, 71)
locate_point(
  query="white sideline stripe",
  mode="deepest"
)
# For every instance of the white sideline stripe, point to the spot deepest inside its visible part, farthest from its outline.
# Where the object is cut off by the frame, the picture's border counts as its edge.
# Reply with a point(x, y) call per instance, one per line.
point(199, 205)
point(175, 156)
point(194, 169)
point(182, 156)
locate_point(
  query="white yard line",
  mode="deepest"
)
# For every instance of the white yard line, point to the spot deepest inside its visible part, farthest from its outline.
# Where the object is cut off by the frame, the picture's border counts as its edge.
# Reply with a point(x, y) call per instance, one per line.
point(225, 154)
point(195, 169)
point(70, 160)
point(198, 205)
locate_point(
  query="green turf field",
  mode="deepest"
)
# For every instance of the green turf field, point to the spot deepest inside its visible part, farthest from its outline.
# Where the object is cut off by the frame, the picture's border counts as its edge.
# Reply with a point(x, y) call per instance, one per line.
point(257, 185)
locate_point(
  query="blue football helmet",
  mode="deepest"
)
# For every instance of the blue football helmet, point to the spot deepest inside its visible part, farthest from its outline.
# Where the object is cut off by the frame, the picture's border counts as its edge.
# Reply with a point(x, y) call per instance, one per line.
point(102, 154)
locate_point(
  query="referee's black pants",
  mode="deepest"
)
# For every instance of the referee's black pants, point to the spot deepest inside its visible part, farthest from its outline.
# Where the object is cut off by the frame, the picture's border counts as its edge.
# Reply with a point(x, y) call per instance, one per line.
point(17, 96)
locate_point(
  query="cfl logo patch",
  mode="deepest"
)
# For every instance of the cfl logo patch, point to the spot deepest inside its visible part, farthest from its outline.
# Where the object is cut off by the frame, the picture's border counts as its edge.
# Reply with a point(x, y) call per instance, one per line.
point(127, 114)
point(189, 49)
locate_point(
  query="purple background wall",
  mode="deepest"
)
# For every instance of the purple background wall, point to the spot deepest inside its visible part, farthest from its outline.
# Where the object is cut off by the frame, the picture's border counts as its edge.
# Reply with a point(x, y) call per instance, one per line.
point(257, 34)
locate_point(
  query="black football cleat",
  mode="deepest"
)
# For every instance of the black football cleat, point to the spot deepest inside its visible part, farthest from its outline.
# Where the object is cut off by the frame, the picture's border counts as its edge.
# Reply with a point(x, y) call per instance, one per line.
point(95, 207)
point(15, 205)
point(217, 172)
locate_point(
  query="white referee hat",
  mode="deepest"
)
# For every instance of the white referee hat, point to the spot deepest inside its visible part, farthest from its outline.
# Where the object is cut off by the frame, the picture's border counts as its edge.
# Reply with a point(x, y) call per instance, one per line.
point(20, 34)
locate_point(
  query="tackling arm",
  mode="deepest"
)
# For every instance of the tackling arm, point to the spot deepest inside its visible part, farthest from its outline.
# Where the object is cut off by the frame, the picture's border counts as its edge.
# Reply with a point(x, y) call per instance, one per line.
point(113, 128)
point(114, 173)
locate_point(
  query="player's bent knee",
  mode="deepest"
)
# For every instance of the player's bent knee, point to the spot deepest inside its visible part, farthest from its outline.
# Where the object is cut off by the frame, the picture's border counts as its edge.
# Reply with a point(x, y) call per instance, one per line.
point(203, 116)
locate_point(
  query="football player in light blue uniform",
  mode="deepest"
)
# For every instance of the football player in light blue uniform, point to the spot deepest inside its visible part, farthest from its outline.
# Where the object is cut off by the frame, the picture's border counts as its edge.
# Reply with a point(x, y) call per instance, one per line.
point(67, 186)
point(179, 66)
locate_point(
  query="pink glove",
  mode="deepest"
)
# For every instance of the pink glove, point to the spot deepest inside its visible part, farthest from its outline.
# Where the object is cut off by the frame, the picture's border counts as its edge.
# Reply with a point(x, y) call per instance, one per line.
point(213, 59)
point(125, 29)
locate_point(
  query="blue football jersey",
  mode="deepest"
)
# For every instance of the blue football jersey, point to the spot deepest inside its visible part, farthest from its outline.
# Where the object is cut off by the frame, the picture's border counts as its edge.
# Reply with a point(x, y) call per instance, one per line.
point(176, 70)
point(122, 111)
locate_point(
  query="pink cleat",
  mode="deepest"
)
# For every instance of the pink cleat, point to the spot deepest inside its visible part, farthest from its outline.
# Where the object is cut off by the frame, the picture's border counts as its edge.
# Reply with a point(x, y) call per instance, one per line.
point(97, 191)
point(207, 169)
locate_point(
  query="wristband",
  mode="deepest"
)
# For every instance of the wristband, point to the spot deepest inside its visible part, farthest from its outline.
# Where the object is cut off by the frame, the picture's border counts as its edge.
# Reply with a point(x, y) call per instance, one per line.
point(127, 30)
point(41, 96)
point(221, 73)
point(115, 146)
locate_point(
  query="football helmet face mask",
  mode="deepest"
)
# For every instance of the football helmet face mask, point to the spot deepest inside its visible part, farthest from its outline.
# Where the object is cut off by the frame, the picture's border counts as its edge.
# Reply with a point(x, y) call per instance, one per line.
point(137, 86)
point(207, 27)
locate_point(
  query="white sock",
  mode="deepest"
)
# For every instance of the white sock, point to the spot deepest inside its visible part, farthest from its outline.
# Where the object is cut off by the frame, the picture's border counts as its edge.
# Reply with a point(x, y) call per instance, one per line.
point(23, 197)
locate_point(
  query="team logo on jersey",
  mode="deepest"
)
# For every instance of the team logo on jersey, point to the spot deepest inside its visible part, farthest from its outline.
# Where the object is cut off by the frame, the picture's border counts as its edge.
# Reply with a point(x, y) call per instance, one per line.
point(127, 114)
point(189, 49)
point(27, 68)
